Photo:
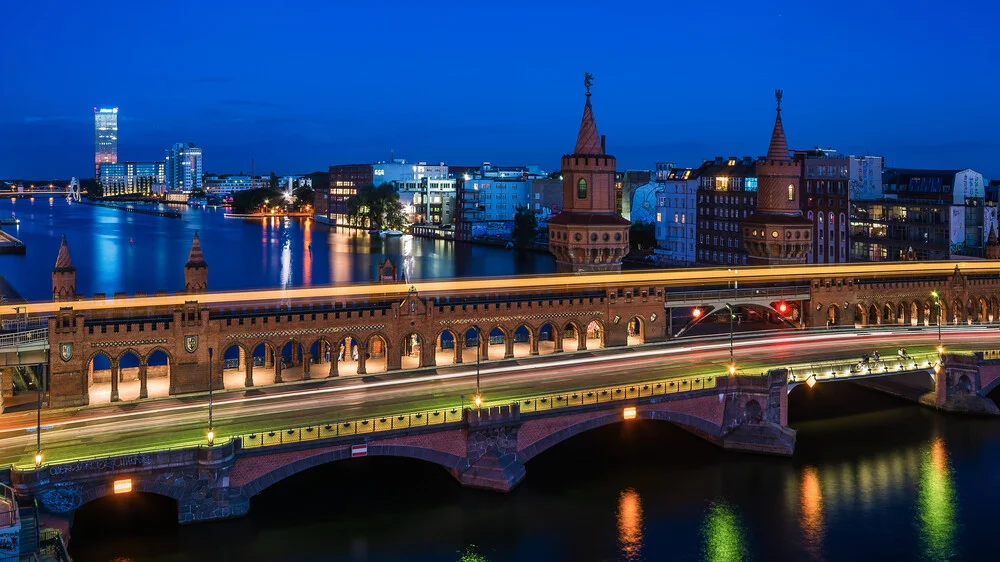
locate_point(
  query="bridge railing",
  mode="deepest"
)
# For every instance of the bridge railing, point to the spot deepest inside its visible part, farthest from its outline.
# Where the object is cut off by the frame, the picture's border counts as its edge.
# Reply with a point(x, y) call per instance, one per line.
point(846, 369)
point(22, 338)
point(451, 415)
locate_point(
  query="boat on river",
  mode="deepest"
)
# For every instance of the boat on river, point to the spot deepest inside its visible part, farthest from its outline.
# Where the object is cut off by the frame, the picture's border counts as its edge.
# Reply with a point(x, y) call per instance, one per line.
point(11, 220)
point(390, 233)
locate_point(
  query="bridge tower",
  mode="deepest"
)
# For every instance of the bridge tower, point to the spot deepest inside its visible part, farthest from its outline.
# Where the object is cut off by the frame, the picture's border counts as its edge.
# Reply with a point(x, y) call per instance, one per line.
point(196, 270)
point(777, 233)
point(588, 235)
point(63, 275)
point(992, 245)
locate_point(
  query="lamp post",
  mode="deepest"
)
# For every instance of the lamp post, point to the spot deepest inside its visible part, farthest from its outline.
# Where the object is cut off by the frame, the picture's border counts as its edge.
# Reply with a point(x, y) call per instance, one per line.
point(38, 422)
point(479, 348)
point(732, 362)
point(937, 301)
point(211, 431)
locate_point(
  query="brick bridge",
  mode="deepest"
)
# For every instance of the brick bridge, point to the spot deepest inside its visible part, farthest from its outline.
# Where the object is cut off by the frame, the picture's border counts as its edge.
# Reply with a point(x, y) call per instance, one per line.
point(485, 448)
point(133, 348)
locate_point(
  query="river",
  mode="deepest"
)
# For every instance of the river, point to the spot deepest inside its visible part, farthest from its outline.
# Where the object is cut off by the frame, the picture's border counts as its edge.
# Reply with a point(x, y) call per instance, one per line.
point(115, 251)
point(873, 478)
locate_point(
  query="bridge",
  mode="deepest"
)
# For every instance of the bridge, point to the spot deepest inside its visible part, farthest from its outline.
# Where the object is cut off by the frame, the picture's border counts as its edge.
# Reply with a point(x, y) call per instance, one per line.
point(314, 375)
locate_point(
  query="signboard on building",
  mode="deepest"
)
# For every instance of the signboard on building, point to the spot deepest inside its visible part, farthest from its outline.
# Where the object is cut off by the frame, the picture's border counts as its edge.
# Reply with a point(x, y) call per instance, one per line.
point(956, 231)
point(865, 182)
point(968, 185)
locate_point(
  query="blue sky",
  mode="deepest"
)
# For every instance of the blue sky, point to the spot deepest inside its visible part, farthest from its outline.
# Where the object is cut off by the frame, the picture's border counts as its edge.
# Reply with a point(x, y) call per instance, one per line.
point(299, 85)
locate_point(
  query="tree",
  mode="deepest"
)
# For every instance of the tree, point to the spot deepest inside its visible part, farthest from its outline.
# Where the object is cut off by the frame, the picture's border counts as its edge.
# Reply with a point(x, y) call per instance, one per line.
point(471, 555)
point(253, 200)
point(377, 207)
point(303, 197)
point(274, 181)
point(642, 235)
point(92, 188)
point(525, 226)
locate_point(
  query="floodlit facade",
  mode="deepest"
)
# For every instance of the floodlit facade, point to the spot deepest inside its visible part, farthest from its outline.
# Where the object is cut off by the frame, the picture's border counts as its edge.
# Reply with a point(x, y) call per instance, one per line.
point(105, 138)
point(128, 178)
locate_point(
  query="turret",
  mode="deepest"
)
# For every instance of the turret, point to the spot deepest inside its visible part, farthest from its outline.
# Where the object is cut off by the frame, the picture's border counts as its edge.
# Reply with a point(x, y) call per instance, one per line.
point(63, 275)
point(992, 245)
point(196, 269)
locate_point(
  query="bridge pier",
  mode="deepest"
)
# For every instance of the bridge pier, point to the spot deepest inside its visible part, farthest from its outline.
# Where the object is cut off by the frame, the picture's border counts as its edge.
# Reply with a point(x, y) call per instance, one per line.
point(491, 449)
point(755, 418)
point(957, 387)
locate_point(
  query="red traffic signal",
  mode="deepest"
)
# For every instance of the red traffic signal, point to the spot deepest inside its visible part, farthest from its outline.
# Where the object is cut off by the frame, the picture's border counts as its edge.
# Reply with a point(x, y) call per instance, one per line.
point(696, 313)
point(782, 308)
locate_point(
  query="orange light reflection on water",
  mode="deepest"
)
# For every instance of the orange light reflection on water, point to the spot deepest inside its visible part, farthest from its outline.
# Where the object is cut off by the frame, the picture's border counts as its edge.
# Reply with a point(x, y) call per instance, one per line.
point(630, 524)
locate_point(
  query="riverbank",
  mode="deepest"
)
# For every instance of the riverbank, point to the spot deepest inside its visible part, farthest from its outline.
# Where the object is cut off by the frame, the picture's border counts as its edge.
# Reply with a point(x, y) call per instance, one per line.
point(268, 215)
point(11, 245)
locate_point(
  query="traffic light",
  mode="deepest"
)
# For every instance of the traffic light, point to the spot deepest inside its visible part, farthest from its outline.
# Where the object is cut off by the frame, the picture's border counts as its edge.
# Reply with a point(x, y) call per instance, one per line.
point(696, 313)
point(783, 308)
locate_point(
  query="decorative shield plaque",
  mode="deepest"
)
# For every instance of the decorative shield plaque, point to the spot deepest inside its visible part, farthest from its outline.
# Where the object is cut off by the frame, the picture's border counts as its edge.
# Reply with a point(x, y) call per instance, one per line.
point(65, 351)
point(190, 343)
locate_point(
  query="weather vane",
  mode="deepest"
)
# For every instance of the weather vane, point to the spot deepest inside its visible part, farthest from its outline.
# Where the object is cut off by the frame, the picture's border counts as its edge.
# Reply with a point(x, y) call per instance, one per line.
point(588, 81)
point(777, 96)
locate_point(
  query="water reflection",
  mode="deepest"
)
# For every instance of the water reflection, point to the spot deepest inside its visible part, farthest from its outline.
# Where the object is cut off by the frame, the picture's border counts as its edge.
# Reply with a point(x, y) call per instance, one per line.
point(723, 533)
point(629, 525)
point(936, 503)
point(811, 516)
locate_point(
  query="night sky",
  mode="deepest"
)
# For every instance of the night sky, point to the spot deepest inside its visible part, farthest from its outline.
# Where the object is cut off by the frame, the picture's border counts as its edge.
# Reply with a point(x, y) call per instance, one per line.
point(299, 86)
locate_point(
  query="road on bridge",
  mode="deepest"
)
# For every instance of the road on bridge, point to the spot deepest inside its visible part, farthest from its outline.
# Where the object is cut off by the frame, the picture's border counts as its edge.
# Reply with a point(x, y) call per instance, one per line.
point(70, 434)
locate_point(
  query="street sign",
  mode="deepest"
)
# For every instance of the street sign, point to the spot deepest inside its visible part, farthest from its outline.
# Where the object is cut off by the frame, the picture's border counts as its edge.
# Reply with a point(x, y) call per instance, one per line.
point(359, 450)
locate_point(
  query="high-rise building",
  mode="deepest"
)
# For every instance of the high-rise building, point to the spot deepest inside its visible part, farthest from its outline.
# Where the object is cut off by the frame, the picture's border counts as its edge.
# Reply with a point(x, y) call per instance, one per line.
point(727, 195)
point(127, 178)
point(105, 138)
point(184, 168)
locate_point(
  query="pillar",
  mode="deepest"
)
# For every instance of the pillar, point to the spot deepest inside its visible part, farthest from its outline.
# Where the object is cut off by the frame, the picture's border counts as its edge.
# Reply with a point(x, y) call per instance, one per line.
point(362, 358)
point(559, 338)
point(268, 357)
point(143, 390)
point(582, 338)
point(296, 354)
point(248, 382)
point(334, 360)
point(533, 344)
point(459, 348)
point(114, 380)
point(306, 360)
point(508, 347)
point(243, 357)
point(484, 347)
point(277, 369)
point(2, 373)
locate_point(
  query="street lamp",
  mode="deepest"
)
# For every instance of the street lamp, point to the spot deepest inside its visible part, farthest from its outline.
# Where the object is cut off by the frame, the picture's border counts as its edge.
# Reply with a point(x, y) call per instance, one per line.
point(38, 425)
point(479, 348)
point(937, 301)
point(732, 362)
point(211, 431)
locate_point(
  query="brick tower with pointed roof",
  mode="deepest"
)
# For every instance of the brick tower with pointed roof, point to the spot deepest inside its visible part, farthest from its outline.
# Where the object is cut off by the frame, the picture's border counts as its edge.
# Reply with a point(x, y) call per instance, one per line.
point(777, 233)
point(992, 245)
point(588, 235)
point(196, 269)
point(63, 275)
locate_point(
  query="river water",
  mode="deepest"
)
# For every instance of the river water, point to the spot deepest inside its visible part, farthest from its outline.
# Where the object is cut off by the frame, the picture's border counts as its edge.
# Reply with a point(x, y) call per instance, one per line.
point(115, 251)
point(873, 478)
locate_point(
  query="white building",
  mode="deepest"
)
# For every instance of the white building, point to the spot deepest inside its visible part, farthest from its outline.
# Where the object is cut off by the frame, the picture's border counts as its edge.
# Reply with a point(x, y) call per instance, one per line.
point(229, 184)
point(400, 171)
point(428, 201)
point(674, 214)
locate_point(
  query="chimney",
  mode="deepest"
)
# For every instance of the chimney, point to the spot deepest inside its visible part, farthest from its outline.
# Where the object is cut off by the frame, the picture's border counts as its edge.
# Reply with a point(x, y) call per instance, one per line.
point(603, 138)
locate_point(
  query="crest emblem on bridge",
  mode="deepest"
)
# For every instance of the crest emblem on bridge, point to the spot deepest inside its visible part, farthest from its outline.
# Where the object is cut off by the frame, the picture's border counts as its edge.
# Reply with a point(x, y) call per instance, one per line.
point(65, 351)
point(190, 343)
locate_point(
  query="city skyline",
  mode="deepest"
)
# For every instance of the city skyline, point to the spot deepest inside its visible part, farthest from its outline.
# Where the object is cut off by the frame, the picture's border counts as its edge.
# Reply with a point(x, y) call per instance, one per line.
point(283, 104)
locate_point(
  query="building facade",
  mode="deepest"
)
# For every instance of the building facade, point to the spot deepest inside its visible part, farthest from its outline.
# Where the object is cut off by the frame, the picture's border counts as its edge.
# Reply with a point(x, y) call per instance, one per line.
point(726, 195)
point(228, 184)
point(546, 199)
point(676, 215)
point(427, 200)
point(488, 206)
point(330, 205)
point(923, 215)
point(132, 178)
point(625, 185)
point(105, 138)
point(184, 168)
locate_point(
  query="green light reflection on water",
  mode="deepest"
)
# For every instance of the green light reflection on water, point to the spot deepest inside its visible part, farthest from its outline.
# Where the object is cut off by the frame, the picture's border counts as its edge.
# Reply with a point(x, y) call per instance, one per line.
point(723, 533)
point(936, 504)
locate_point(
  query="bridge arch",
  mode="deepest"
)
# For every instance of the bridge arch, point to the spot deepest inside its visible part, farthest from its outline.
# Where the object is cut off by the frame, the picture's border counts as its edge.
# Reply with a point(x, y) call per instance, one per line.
point(321, 352)
point(549, 339)
point(293, 355)
point(889, 313)
point(571, 336)
point(128, 365)
point(152, 369)
point(453, 463)
point(498, 342)
point(376, 353)
point(525, 341)
point(958, 313)
point(689, 422)
point(860, 315)
point(833, 315)
point(874, 315)
point(66, 499)
point(447, 350)
point(596, 334)
point(100, 366)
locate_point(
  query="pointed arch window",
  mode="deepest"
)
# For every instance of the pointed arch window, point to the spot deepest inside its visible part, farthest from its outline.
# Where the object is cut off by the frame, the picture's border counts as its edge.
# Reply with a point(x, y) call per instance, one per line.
point(581, 189)
point(791, 192)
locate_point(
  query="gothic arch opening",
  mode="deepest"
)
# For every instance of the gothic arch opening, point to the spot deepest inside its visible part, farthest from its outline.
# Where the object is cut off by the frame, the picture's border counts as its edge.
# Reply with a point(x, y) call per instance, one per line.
point(523, 341)
point(635, 331)
point(888, 313)
point(236, 367)
point(293, 361)
point(832, 315)
point(347, 353)
point(860, 315)
point(571, 337)
point(376, 354)
point(99, 378)
point(156, 374)
point(548, 339)
point(873, 315)
point(445, 348)
point(264, 363)
point(472, 345)
point(128, 375)
point(497, 344)
point(410, 350)
point(595, 334)
point(321, 354)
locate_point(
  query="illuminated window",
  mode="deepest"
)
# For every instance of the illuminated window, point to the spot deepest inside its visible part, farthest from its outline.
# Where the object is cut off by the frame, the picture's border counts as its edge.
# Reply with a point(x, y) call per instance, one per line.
point(581, 189)
point(791, 192)
point(659, 217)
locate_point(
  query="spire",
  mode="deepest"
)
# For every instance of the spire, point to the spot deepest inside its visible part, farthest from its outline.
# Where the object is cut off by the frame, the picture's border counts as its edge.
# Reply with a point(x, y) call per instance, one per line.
point(778, 150)
point(588, 141)
point(196, 259)
point(63, 261)
point(991, 240)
